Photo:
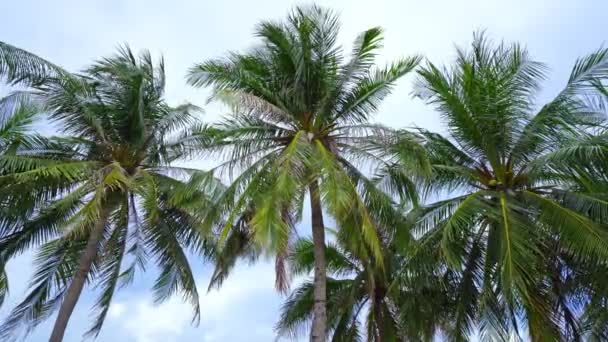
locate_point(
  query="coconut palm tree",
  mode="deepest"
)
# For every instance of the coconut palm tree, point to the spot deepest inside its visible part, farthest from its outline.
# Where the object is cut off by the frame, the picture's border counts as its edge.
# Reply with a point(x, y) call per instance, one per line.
point(101, 199)
point(301, 124)
point(511, 215)
point(359, 292)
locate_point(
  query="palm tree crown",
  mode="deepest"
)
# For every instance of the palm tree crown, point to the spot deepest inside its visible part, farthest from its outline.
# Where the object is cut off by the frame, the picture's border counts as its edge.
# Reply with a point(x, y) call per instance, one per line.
point(515, 216)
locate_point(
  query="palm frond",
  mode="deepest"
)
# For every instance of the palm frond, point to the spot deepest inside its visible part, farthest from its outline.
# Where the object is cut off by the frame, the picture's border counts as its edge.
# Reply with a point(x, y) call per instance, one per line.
point(21, 67)
point(302, 259)
point(56, 263)
point(366, 96)
point(4, 288)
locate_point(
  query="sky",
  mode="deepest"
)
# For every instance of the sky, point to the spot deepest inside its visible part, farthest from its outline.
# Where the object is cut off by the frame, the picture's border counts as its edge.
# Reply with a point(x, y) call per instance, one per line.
point(74, 33)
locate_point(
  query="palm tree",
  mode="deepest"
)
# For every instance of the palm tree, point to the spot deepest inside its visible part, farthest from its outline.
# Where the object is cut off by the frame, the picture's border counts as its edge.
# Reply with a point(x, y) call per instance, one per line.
point(101, 199)
point(512, 216)
point(300, 124)
point(415, 311)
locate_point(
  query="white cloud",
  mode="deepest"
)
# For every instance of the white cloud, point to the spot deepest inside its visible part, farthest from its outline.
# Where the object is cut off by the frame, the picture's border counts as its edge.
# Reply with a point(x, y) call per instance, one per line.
point(144, 321)
point(116, 310)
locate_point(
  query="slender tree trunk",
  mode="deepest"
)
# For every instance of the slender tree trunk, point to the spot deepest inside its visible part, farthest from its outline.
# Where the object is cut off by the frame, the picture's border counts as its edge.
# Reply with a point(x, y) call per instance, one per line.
point(379, 314)
point(80, 277)
point(319, 322)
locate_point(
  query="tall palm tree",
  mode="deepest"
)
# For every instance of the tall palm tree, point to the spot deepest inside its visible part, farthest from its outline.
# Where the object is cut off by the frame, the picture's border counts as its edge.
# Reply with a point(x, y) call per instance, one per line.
point(300, 122)
point(101, 199)
point(512, 213)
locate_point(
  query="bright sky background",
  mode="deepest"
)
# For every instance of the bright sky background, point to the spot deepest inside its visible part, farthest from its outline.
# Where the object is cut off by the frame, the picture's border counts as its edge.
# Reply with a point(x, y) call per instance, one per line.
point(73, 33)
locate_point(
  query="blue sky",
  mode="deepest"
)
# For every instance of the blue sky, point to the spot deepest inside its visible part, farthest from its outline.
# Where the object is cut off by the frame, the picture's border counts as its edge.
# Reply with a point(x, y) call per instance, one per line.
point(73, 33)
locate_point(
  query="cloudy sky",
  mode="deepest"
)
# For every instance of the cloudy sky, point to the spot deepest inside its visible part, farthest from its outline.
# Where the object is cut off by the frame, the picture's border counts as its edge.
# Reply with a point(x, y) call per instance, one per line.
point(73, 33)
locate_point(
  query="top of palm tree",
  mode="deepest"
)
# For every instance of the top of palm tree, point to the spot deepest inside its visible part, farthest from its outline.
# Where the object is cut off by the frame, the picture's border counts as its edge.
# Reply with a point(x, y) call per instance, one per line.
point(298, 76)
point(487, 101)
point(300, 112)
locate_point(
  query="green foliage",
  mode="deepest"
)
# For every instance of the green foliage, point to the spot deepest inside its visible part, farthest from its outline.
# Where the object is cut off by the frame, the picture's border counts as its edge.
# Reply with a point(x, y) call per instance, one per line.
point(514, 246)
point(301, 114)
point(343, 294)
point(111, 163)
point(523, 218)
point(394, 306)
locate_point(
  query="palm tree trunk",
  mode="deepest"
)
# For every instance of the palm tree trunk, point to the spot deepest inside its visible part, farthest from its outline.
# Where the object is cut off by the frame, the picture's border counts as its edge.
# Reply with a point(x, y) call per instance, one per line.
point(319, 322)
point(379, 318)
point(75, 289)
